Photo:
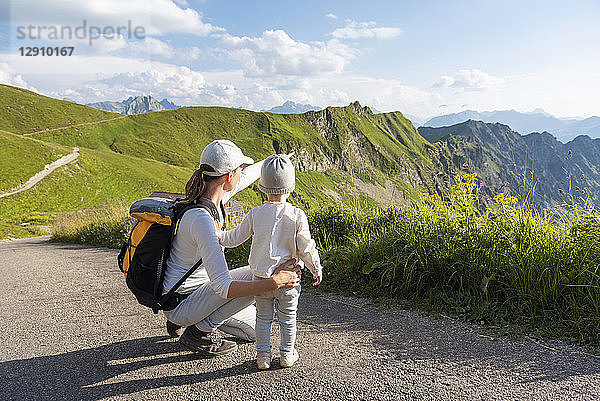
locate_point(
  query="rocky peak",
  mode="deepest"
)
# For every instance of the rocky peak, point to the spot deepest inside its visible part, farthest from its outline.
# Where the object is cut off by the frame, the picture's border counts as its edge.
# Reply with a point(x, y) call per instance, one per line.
point(356, 108)
point(135, 105)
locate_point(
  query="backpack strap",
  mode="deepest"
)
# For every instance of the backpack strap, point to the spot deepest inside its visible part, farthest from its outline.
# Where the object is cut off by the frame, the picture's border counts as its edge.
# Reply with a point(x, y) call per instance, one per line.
point(224, 213)
point(163, 300)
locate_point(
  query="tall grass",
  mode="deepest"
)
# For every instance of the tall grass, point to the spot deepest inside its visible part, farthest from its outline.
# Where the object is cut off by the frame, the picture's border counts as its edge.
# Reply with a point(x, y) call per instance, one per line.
point(504, 265)
point(107, 225)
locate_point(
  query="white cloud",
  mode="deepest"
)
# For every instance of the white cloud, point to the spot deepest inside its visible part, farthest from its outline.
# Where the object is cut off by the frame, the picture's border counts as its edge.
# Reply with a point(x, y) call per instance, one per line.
point(258, 93)
point(116, 78)
point(384, 94)
point(174, 82)
point(157, 17)
point(365, 30)
point(9, 77)
point(153, 47)
point(99, 78)
point(331, 15)
point(276, 53)
point(177, 83)
point(444, 82)
point(470, 80)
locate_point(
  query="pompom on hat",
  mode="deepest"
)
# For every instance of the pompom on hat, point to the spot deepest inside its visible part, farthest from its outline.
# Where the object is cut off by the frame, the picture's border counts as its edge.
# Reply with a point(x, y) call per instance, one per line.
point(223, 156)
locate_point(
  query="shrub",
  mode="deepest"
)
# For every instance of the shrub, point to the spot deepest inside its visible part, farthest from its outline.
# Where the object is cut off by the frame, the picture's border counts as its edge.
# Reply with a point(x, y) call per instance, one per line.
point(504, 264)
point(107, 226)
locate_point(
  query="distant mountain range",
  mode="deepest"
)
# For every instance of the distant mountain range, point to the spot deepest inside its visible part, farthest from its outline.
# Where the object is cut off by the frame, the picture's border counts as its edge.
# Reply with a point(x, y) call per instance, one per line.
point(510, 163)
point(290, 107)
point(135, 105)
point(524, 123)
point(417, 121)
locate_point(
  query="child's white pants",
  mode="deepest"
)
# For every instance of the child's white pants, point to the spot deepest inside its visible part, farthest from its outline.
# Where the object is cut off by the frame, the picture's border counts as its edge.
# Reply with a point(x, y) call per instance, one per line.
point(284, 302)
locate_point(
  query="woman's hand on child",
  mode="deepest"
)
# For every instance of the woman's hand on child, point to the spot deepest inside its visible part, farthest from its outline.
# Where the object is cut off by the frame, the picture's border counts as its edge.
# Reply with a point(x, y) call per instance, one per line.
point(317, 280)
point(287, 275)
point(285, 279)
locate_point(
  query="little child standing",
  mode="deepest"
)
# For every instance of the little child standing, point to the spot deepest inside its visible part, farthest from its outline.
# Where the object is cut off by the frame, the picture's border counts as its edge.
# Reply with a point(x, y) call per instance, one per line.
point(280, 232)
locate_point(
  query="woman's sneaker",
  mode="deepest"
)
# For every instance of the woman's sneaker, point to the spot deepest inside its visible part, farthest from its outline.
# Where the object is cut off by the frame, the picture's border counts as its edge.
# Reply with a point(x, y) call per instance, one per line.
point(288, 359)
point(208, 344)
point(263, 360)
point(174, 330)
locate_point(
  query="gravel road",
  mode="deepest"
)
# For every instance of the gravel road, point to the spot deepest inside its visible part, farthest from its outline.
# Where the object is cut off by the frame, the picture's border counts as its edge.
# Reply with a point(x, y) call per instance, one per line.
point(72, 331)
point(71, 157)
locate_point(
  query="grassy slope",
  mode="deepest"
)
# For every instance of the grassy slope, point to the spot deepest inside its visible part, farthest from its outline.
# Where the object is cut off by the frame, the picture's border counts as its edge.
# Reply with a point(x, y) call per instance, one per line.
point(124, 159)
point(22, 157)
point(23, 111)
point(175, 136)
point(413, 143)
point(178, 136)
point(98, 177)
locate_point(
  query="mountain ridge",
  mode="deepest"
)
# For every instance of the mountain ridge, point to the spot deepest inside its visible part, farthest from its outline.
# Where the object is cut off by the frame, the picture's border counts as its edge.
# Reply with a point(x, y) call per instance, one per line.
point(342, 153)
point(135, 105)
point(524, 123)
point(290, 107)
point(508, 162)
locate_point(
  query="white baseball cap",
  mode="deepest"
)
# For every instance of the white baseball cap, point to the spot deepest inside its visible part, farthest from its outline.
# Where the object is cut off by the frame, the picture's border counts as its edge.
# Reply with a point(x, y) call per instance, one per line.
point(223, 156)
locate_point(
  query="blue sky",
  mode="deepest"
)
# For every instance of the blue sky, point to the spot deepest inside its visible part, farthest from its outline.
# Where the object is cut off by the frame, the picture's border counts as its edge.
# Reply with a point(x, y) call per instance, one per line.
point(422, 58)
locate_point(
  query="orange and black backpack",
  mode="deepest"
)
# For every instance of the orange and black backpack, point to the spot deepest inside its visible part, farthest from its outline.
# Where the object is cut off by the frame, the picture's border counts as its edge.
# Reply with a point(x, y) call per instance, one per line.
point(143, 258)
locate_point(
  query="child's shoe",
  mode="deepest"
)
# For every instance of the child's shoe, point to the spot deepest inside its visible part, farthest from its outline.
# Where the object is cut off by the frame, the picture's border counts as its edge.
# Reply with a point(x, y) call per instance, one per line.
point(263, 360)
point(288, 359)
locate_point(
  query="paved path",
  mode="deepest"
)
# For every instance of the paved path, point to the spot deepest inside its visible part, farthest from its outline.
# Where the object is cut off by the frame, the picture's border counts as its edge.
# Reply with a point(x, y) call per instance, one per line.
point(44, 173)
point(71, 331)
point(73, 125)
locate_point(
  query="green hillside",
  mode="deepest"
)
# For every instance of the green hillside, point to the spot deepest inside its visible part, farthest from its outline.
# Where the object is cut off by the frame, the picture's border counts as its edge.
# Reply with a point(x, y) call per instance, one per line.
point(175, 136)
point(96, 178)
point(126, 158)
point(23, 111)
point(349, 140)
point(342, 138)
point(22, 157)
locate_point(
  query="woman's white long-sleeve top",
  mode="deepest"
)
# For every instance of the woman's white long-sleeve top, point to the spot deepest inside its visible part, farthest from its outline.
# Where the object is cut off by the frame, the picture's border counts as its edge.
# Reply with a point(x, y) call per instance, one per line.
point(196, 239)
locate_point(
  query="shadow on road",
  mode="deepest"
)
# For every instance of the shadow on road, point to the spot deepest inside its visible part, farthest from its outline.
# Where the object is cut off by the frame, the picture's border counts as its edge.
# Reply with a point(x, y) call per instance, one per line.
point(405, 338)
point(78, 375)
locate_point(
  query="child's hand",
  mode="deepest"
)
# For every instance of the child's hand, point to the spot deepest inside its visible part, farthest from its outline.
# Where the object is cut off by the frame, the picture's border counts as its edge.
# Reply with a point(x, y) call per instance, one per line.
point(317, 280)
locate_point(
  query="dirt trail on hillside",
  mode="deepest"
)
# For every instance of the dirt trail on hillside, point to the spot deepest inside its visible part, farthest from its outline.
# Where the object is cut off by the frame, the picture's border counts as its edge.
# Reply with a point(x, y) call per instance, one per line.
point(72, 331)
point(44, 173)
point(74, 125)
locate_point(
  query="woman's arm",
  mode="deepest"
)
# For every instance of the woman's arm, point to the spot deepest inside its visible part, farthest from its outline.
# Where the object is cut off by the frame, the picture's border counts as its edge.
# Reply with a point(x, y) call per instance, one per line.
point(285, 276)
point(249, 175)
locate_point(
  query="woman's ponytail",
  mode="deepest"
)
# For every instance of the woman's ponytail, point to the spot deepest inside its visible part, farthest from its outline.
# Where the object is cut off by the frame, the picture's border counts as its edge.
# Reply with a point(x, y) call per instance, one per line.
point(196, 185)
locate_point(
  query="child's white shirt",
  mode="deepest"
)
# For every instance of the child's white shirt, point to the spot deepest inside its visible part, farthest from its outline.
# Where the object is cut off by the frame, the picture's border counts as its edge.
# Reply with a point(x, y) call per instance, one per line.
point(280, 232)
